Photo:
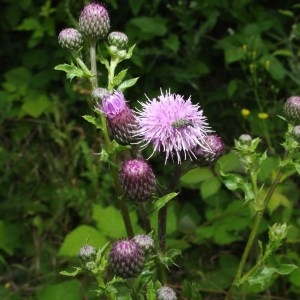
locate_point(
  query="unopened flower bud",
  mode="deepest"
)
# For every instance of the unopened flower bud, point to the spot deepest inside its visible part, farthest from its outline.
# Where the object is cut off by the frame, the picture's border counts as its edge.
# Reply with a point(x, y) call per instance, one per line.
point(245, 139)
point(146, 242)
point(120, 117)
point(70, 38)
point(216, 146)
point(94, 21)
point(291, 108)
point(126, 258)
point(296, 133)
point(278, 232)
point(87, 254)
point(166, 293)
point(118, 39)
point(137, 180)
point(98, 94)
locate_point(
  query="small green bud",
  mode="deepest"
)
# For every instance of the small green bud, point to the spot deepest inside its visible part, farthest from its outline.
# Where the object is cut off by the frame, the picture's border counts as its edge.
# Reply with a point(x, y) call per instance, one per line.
point(245, 139)
point(117, 39)
point(87, 253)
point(277, 233)
point(70, 38)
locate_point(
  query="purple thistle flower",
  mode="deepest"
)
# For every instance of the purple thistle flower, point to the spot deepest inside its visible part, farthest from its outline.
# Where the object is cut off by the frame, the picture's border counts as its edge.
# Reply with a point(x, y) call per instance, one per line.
point(172, 125)
point(120, 117)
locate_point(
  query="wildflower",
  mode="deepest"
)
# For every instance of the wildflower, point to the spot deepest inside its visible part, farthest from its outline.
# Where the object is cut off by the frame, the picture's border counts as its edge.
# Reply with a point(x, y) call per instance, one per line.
point(263, 115)
point(166, 293)
point(70, 38)
point(126, 258)
point(291, 108)
point(245, 112)
point(94, 21)
point(137, 180)
point(172, 125)
point(120, 117)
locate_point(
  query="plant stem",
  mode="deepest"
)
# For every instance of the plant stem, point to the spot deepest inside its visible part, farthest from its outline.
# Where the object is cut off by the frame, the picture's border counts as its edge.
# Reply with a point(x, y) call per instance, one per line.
point(257, 220)
point(108, 147)
point(94, 79)
point(146, 220)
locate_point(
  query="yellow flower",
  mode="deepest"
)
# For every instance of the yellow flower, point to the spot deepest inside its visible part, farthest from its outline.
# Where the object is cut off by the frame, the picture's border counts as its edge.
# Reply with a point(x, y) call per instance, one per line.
point(263, 115)
point(245, 112)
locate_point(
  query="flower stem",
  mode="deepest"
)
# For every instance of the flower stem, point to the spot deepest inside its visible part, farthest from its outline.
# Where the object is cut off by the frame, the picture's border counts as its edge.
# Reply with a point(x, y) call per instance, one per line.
point(257, 220)
point(94, 79)
point(109, 148)
point(146, 220)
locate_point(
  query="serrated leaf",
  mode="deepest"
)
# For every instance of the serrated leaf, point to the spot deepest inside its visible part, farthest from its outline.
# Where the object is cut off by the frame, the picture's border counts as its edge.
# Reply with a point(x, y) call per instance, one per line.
point(93, 120)
point(119, 78)
point(264, 276)
point(127, 83)
point(71, 274)
point(129, 52)
point(71, 71)
point(161, 202)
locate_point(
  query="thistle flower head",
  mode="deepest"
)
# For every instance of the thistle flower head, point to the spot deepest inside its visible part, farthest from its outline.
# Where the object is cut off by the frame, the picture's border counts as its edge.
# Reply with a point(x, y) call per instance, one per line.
point(216, 146)
point(172, 125)
point(146, 242)
point(137, 180)
point(94, 21)
point(291, 108)
point(166, 293)
point(70, 38)
point(120, 117)
point(126, 258)
point(118, 39)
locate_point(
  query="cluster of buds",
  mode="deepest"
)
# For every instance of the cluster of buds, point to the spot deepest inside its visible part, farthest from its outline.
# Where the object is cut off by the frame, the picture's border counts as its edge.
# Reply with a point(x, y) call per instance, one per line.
point(94, 23)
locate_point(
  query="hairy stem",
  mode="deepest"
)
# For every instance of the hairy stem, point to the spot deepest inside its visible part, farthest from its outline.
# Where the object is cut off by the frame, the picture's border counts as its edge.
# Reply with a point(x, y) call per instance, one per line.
point(94, 79)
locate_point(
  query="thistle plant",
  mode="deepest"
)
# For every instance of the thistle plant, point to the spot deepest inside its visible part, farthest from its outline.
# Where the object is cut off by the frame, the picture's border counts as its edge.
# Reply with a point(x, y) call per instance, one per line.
point(177, 131)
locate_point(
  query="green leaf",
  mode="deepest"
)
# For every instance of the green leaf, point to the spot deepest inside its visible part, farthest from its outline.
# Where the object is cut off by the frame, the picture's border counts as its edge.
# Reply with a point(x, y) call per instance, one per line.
point(68, 290)
point(9, 237)
point(36, 106)
point(119, 78)
point(135, 5)
point(283, 52)
point(161, 202)
point(287, 13)
point(210, 187)
point(264, 276)
point(150, 26)
point(127, 83)
point(71, 274)
point(129, 52)
point(172, 42)
point(93, 120)
point(79, 237)
point(103, 217)
point(72, 71)
point(194, 177)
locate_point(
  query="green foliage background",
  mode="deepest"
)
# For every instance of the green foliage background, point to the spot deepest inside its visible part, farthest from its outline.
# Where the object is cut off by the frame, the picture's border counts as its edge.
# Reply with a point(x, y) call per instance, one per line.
point(54, 192)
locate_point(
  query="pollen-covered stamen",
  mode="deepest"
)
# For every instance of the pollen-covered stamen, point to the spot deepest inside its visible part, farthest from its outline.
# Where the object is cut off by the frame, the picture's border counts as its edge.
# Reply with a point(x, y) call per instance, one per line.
point(181, 123)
